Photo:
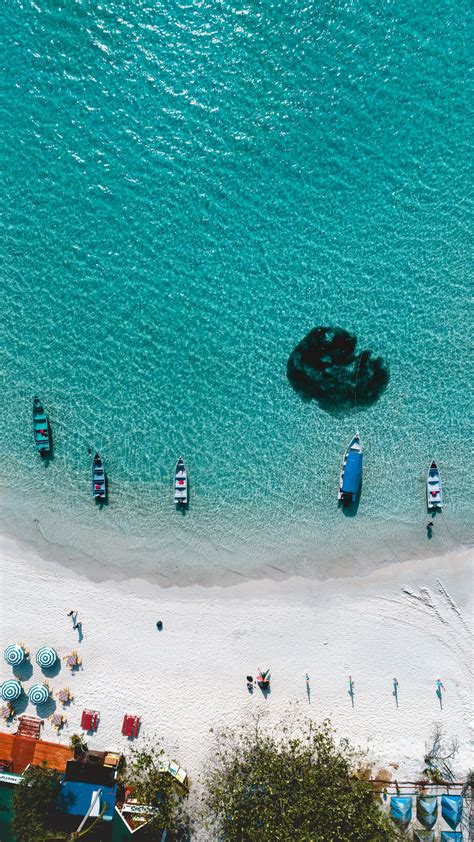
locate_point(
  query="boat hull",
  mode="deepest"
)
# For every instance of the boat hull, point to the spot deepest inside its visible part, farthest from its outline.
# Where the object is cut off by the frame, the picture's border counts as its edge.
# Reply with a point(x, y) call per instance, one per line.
point(180, 491)
point(99, 480)
point(350, 478)
point(41, 429)
point(434, 491)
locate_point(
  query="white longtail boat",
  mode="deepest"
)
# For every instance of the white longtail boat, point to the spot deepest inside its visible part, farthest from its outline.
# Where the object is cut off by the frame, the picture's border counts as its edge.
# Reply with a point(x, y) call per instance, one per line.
point(180, 483)
point(434, 492)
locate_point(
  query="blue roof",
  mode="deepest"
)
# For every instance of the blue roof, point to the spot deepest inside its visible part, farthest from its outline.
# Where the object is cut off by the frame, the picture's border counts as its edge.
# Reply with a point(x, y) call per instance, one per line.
point(352, 472)
point(75, 798)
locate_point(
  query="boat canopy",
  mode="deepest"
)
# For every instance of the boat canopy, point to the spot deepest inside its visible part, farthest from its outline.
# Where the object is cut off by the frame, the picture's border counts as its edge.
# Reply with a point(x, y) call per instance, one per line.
point(352, 472)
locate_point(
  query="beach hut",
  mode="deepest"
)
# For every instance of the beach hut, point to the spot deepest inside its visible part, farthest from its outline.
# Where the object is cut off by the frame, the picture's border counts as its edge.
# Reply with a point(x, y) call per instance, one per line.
point(15, 654)
point(451, 809)
point(427, 810)
point(46, 657)
point(38, 694)
point(11, 690)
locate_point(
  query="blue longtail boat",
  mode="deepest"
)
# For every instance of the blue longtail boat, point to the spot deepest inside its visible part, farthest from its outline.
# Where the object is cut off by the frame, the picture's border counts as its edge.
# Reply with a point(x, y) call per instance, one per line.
point(99, 480)
point(351, 472)
point(41, 429)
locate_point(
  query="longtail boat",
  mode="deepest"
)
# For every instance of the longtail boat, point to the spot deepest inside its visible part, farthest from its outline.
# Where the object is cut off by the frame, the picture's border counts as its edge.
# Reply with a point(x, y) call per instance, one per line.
point(180, 484)
point(434, 492)
point(99, 481)
point(351, 472)
point(41, 430)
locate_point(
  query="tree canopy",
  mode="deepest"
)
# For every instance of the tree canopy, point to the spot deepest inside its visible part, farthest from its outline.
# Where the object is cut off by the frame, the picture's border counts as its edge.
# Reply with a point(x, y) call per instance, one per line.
point(156, 789)
point(34, 804)
point(296, 784)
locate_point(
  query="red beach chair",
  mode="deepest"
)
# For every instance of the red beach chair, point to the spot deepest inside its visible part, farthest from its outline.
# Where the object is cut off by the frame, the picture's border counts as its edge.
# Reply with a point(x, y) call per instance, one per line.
point(130, 725)
point(90, 720)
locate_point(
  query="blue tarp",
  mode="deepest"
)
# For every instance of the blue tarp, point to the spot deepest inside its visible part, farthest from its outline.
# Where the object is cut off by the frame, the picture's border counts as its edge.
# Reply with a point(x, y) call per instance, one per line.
point(401, 809)
point(352, 472)
point(75, 798)
point(427, 810)
point(451, 836)
point(451, 809)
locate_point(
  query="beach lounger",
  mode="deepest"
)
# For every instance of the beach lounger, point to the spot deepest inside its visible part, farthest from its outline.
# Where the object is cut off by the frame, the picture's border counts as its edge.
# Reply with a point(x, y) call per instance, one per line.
point(30, 726)
point(130, 725)
point(90, 720)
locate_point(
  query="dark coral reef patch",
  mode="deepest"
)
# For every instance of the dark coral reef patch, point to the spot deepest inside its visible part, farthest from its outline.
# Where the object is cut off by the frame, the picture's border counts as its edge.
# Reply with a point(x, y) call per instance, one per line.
point(325, 367)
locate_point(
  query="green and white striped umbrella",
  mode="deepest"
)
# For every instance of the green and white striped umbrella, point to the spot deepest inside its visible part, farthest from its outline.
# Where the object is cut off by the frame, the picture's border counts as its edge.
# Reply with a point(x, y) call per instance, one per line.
point(11, 690)
point(46, 657)
point(14, 655)
point(38, 694)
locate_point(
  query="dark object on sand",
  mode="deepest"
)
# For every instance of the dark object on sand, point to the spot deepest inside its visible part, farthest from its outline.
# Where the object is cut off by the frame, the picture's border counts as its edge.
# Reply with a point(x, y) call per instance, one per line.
point(159, 625)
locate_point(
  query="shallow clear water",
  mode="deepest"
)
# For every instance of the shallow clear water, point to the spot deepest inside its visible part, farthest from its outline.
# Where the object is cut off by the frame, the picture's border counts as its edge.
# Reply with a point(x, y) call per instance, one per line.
point(187, 190)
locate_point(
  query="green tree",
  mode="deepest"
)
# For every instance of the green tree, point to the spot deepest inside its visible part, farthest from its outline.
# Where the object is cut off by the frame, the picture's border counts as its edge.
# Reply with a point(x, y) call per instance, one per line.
point(34, 804)
point(156, 789)
point(299, 785)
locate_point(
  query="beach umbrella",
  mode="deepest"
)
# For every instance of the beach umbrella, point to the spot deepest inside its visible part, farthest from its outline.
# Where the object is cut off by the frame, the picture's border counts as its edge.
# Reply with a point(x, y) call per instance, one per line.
point(11, 690)
point(46, 657)
point(38, 694)
point(14, 654)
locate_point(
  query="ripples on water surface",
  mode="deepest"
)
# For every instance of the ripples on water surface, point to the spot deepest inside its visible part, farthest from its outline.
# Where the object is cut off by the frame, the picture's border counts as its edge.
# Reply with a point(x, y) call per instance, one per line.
point(187, 190)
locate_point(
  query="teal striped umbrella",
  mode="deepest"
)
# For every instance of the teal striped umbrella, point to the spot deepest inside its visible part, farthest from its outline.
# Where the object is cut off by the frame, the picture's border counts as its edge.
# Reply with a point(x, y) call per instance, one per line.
point(46, 657)
point(38, 694)
point(11, 690)
point(14, 654)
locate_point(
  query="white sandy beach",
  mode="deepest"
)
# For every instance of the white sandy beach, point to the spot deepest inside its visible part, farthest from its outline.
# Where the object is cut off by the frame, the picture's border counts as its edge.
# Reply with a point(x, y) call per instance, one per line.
point(411, 621)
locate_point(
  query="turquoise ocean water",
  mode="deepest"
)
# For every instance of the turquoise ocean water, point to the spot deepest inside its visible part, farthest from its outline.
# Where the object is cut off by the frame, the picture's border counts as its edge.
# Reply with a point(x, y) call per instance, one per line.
point(188, 189)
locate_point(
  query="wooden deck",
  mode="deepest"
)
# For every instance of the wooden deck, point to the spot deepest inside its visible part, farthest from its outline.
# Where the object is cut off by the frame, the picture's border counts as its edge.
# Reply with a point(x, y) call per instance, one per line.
point(22, 751)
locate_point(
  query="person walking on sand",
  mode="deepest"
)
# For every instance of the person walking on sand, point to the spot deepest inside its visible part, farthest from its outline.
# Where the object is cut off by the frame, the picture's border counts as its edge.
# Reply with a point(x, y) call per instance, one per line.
point(73, 616)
